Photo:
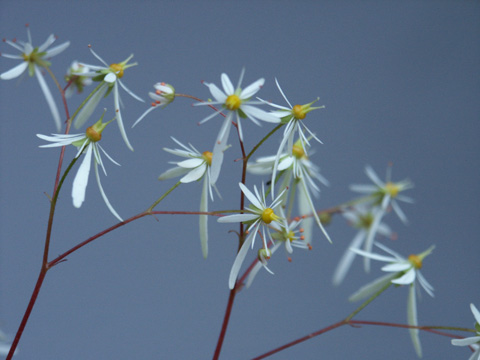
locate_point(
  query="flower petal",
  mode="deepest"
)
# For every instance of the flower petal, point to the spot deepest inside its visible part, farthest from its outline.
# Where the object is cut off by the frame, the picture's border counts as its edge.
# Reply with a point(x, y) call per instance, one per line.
point(57, 49)
point(227, 84)
point(14, 72)
point(194, 175)
point(412, 320)
point(49, 98)
point(371, 288)
point(81, 179)
point(116, 100)
point(87, 110)
point(104, 196)
point(252, 89)
point(203, 219)
point(347, 259)
point(237, 264)
point(406, 279)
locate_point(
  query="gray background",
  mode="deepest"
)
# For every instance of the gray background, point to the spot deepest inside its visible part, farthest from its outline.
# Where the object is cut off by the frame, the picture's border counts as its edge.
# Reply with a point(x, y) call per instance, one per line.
point(400, 81)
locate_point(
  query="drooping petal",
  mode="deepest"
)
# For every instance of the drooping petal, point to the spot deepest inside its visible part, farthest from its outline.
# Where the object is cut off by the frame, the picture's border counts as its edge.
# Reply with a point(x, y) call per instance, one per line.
point(173, 172)
point(194, 174)
point(191, 163)
point(237, 264)
point(466, 342)
point(49, 98)
point(406, 279)
point(130, 92)
point(347, 259)
point(203, 219)
point(119, 116)
point(81, 179)
point(372, 231)
point(87, 110)
point(218, 148)
point(396, 267)
point(371, 288)
point(104, 196)
point(412, 320)
point(14, 72)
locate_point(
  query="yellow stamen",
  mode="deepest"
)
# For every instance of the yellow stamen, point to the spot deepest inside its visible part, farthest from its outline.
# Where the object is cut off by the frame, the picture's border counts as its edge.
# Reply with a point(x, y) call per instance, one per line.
point(392, 189)
point(298, 152)
point(268, 216)
point(415, 260)
point(93, 135)
point(298, 112)
point(207, 155)
point(117, 69)
point(233, 102)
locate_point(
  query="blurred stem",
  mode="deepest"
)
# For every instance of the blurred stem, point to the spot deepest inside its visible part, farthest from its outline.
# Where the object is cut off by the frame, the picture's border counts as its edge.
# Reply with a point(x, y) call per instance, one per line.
point(150, 209)
point(368, 301)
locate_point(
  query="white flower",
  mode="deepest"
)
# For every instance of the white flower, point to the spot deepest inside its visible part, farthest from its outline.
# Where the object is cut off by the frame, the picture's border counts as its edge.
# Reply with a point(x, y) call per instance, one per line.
point(382, 194)
point(75, 74)
point(110, 76)
point(402, 272)
point(473, 341)
point(235, 101)
point(194, 168)
point(292, 116)
point(361, 217)
point(257, 216)
point(35, 58)
point(298, 167)
point(164, 94)
point(288, 234)
point(87, 143)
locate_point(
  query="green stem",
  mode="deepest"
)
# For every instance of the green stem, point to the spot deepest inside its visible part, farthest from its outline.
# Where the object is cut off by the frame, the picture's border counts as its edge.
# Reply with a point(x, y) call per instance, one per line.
point(150, 209)
point(262, 141)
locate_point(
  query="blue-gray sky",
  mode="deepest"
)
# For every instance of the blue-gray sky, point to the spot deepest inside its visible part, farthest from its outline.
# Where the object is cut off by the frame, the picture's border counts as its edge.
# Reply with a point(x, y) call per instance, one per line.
point(400, 82)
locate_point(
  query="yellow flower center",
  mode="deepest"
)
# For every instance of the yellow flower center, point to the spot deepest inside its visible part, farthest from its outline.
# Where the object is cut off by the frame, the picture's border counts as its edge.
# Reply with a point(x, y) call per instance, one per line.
point(268, 216)
point(207, 155)
point(291, 236)
point(392, 189)
point(416, 261)
point(298, 152)
point(298, 112)
point(117, 69)
point(93, 135)
point(233, 102)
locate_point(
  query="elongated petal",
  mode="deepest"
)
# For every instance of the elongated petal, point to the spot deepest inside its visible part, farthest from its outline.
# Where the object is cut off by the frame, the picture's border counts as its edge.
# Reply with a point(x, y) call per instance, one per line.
point(237, 218)
point(374, 256)
point(81, 179)
point(57, 49)
point(130, 92)
point(104, 196)
point(373, 176)
point(425, 284)
point(256, 113)
point(49, 98)
point(227, 84)
point(371, 288)
point(372, 231)
point(314, 212)
point(251, 197)
point(259, 265)
point(347, 259)
point(173, 172)
point(217, 93)
point(396, 267)
point(119, 116)
point(203, 219)
point(466, 342)
point(143, 115)
point(475, 313)
point(218, 148)
point(92, 103)
point(252, 89)
point(237, 264)
point(14, 72)
point(191, 163)
point(365, 189)
point(50, 40)
point(194, 174)
point(412, 320)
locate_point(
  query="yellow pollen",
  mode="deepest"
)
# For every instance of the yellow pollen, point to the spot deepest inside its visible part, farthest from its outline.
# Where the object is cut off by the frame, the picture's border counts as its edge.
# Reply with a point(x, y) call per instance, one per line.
point(298, 112)
point(298, 151)
point(233, 102)
point(268, 216)
point(92, 134)
point(207, 155)
point(25, 57)
point(117, 69)
point(392, 189)
point(291, 236)
point(415, 260)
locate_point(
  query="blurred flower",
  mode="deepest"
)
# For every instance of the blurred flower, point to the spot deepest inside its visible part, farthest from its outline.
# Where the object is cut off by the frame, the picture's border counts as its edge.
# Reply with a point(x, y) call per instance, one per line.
point(473, 341)
point(164, 94)
point(299, 168)
point(75, 75)
point(87, 143)
point(110, 76)
point(361, 217)
point(258, 215)
point(194, 168)
point(235, 101)
point(292, 116)
point(403, 272)
point(35, 58)
point(382, 194)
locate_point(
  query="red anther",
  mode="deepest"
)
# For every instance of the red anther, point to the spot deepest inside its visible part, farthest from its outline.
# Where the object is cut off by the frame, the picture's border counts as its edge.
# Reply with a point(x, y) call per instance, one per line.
point(202, 81)
point(302, 237)
point(301, 230)
point(158, 92)
point(14, 40)
point(89, 46)
point(153, 104)
point(246, 232)
point(289, 259)
point(4, 40)
point(162, 83)
point(296, 218)
point(309, 247)
point(157, 102)
point(117, 110)
point(27, 25)
point(304, 216)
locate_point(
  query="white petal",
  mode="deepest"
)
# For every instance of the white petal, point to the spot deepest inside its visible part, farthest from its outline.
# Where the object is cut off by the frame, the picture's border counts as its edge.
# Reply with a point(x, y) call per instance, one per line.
point(110, 78)
point(57, 49)
point(143, 115)
point(173, 172)
point(281, 92)
point(475, 313)
point(252, 89)
point(14, 72)
point(347, 259)
point(130, 92)
point(203, 219)
point(373, 176)
point(87, 110)
point(255, 113)
point(399, 212)
point(251, 197)
point(466, 342)
point(366, 189)
point(237, 218)
point(237, 264)
point(104, 196)
point(406, 279)
point(216, 93)
point(371, 288)
point(425, 284)
point(218, 148)
point(312, 208)
point(119, 116)
point(194, 174)
point(49, 98)
point(396, 267)
point(81, 179)
point(374, 256)
point(191, 163)
point(50, 40)
point(227, 84)
point(412, 320)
